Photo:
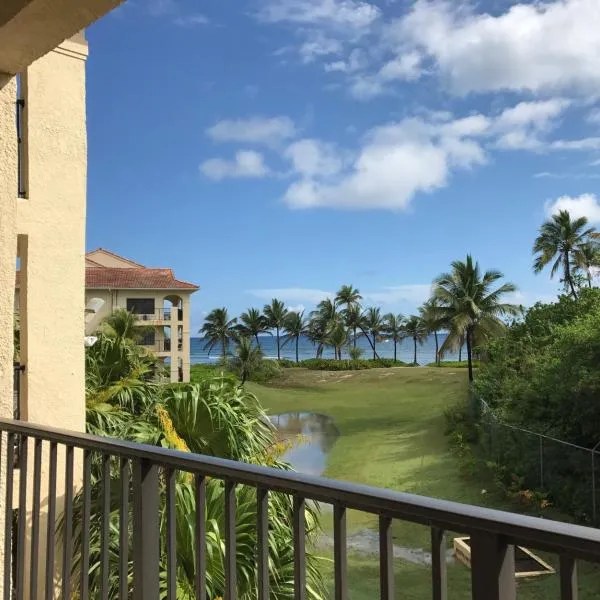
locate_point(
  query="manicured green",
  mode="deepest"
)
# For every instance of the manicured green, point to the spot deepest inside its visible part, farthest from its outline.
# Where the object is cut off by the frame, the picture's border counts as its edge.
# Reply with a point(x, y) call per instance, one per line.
point(392, 435)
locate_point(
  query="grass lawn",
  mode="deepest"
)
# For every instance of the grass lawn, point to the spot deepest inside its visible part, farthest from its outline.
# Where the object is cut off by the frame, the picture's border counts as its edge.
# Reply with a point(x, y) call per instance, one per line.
point(391, 426)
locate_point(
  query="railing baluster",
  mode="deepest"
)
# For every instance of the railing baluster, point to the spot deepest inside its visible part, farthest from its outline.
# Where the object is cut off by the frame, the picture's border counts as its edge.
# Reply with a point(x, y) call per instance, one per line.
point(35, 518)
point(146, 538)
point(438, 565)
point(230, 542)
point(568, 578)
point(105, 532)
point(492, 567)
point(262, 530)
point(171, 536)
point(8, 514)
point(299, 548)
point(51, 531)
point(68, 525)
point(200, 493)
point(22, 517)
point(386, 559)
point(85, 524)
point(340, 552)
point(124, 532)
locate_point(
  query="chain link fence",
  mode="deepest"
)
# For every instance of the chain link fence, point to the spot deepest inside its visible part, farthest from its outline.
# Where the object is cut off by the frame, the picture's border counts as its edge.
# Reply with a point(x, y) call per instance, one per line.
point(568, 473)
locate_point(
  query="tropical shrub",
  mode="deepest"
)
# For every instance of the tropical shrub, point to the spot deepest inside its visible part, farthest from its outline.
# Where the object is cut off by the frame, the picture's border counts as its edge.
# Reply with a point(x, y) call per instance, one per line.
point(330, 364)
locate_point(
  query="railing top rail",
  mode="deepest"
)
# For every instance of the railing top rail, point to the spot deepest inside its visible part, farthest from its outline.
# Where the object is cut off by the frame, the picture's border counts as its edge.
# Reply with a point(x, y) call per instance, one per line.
point(578, 541)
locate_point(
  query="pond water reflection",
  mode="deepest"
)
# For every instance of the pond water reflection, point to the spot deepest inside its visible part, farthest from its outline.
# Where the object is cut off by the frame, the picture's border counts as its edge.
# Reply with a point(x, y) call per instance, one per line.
point(319, 434)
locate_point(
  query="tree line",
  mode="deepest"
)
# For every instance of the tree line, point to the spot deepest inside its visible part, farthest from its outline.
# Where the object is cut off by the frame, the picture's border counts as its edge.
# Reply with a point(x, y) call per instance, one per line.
point(465, 302)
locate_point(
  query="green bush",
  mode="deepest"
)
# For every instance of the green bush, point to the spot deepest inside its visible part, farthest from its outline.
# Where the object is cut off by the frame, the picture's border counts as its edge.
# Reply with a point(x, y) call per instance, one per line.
point(330, 364)
point(286, 363)
point(202, 372)
point(266, 371)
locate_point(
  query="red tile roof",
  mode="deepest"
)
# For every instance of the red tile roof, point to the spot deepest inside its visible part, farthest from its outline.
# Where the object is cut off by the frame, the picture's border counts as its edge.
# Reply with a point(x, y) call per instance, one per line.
point(134, 279)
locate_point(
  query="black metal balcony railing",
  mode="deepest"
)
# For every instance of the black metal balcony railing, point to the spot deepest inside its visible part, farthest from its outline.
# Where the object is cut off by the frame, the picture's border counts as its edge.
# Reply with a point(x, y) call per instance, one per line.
point(161, 314)
point(22, 192)
point(493, 533)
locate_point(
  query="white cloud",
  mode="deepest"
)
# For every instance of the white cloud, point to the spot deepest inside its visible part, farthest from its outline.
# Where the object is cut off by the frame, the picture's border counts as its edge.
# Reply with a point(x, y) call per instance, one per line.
point(406, 67)
point(412, 294)
point(586, 205)
point(594, 116)
point(591, 143)
point(317, 46)
point(352, 14)
point(354, 63)
point(536, 47)
point(257, 130)
point(191, 20)
point(247, 163)
point(308, 296)
point(312, 158)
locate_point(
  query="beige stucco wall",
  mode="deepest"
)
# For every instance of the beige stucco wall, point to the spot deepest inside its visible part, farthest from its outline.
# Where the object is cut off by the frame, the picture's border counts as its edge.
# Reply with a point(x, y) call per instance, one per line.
point(8, 250)
point(107, 260)
point(51, 227)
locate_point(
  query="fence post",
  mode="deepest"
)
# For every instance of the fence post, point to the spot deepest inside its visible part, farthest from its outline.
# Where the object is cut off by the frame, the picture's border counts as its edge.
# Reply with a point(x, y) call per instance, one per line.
point(146, 539)
point(492, 567)
point(541, 462)
point(594, 485)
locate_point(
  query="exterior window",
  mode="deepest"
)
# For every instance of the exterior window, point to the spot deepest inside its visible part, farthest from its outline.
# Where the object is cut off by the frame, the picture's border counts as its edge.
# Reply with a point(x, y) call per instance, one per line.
point(141, 306)
point(149, 339)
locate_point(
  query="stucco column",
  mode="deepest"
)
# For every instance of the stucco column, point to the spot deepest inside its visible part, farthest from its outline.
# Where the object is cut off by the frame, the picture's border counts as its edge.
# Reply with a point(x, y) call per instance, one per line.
point(186, 351)
point(8, 257)
point(174, 354)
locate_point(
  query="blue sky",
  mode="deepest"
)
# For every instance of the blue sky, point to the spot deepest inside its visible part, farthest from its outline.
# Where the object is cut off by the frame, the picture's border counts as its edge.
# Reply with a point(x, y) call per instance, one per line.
point(286, 147)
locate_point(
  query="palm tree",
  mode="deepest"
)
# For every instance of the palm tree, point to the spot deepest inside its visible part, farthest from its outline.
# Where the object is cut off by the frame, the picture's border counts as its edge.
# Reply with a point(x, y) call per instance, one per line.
point(252, 323)
point(316, 332)
point(349, 297)
point(218, 329)
point(374, 325)
point(123, 324)
point(587, 259)
point(337, 338)
point(394, 330)
point(353, 318)
point(415, 328)
point(432, 321)
point(275, 314)
point(247, 359)
point(295, 326)
point(558, 239)
point(470, 307)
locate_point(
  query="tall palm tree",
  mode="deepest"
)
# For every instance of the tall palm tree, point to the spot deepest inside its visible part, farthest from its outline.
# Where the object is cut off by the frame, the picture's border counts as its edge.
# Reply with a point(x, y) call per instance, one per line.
point(415, 329)
point(295, 326)
point(218, 329)
point(394, 330)
point(353, 319)
point(558, 239)
point(374, 325)
point(349, 297)
point(275, 314)
point(586, 258)
point(316, 332)
point(471, 307)
point(253, 322)
point(432, 321)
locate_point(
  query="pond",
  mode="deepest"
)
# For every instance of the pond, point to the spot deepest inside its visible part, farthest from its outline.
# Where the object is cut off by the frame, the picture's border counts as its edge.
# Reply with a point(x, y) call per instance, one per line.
point(313, 434)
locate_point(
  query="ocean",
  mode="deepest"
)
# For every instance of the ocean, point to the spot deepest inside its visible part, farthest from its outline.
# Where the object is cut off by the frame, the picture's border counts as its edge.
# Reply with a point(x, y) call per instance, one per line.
point(425, 352)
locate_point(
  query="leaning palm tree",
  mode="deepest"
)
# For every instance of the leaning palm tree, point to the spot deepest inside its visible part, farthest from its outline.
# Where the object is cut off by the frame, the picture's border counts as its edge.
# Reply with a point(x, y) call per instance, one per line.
point(295, 327)
point(374, 326)
point(354, 321)
point(433, 321)
point(394, 330)
point(275, 314)
point(586, 259)
point(558, 240)
point(470, 307)
point(247, 359)
point(252, 323)
point(219, 329)
point(349, 297)
point(415, 329)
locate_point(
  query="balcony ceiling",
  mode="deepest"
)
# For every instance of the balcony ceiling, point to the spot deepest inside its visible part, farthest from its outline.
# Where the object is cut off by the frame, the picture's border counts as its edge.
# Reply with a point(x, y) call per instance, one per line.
point(31, 28)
